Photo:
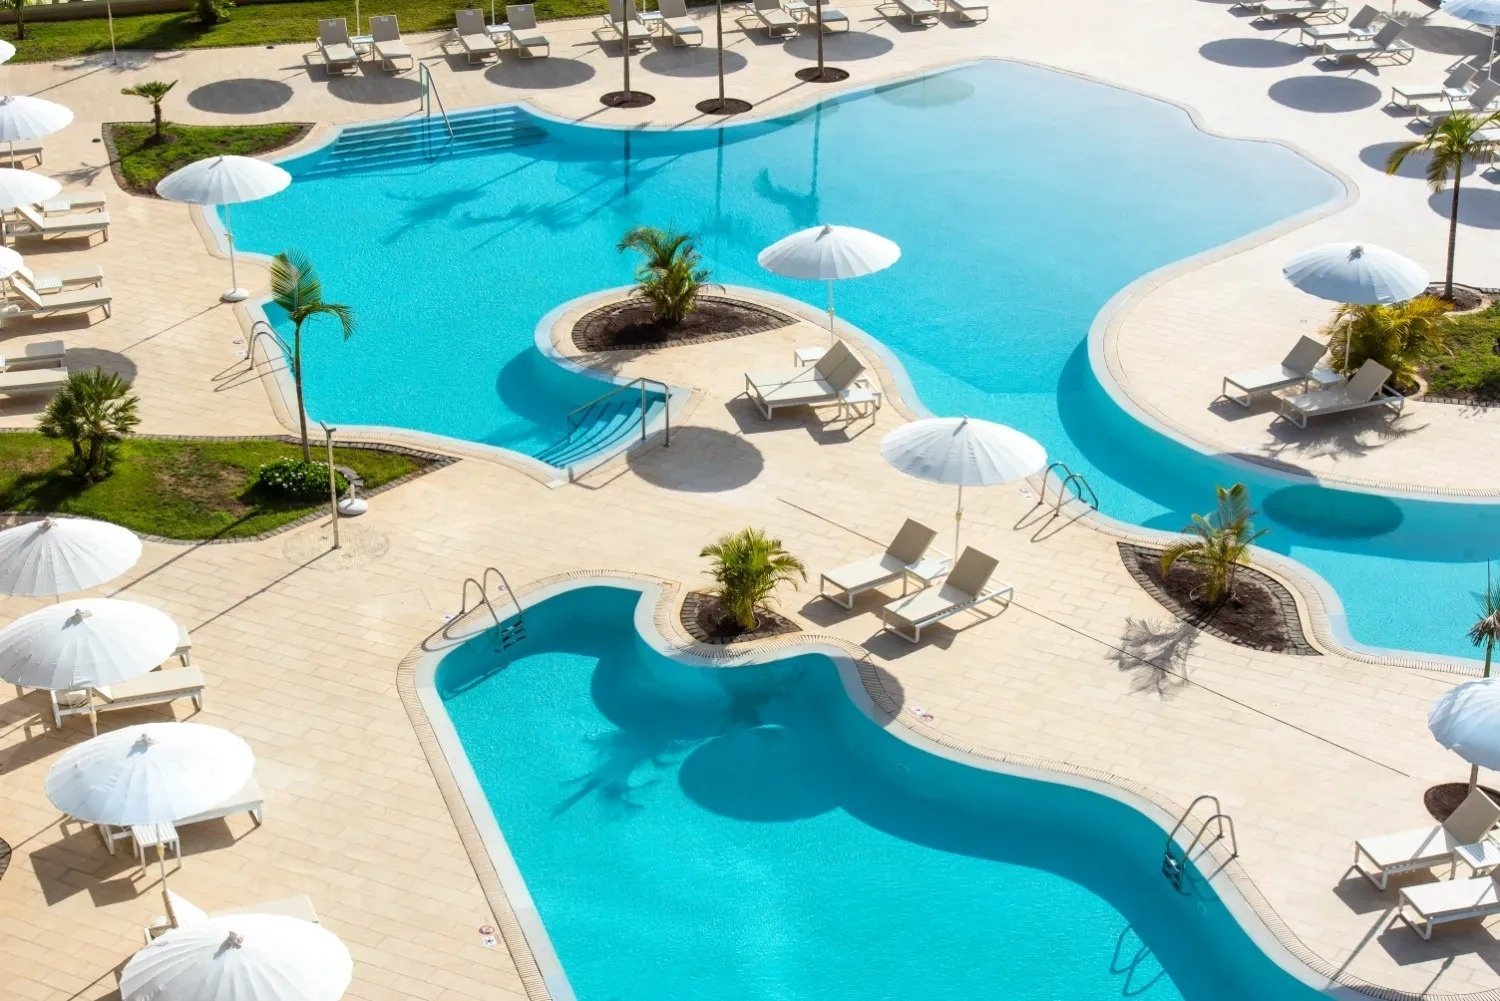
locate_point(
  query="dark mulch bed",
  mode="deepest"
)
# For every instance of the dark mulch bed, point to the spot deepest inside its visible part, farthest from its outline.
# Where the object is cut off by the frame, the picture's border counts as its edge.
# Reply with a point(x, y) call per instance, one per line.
point(1263, 615)
point(707, 622)
point(1464, 297)
point(628, 325)
point(1441, 800)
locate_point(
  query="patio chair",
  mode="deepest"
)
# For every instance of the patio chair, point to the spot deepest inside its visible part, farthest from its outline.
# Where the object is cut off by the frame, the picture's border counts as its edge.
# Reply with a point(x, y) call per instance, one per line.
point(774, 18)
point(1361, 25)
point(30, 222)
point(832, 17)
point(247, 799)
point(674, 17)
point(1448, 900)
point(181, 913)
point(36, 380)
point(474, 36)
point(157, 688)
point(820, 383)
point(1457, 86)
point(334, 45)
point(1425, 847)
point(1385, 42)
point(916, 11)
point(55, 281)
point(614, 20)
point(29, 302)
point(523, 31)
point(41, 354)
point(1365, 388)
point(967, 10)
point(852, 579)
point(968, 585)
point(1479, 101)
point(1298, 368)
point(388, 45)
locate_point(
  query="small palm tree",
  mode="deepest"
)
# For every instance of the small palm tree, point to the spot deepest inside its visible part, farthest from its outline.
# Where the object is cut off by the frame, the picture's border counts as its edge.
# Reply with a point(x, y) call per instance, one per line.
point(296, 288)
point(1486, 633)
point(1217, 545)
point(93, 411)
point(669, 276)
point(1454, 144)
point(1402, 336)
point(154, 91)
point(747, 567)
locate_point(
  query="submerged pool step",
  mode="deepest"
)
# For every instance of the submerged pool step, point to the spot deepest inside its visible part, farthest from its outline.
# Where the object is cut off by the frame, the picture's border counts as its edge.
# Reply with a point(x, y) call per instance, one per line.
point(604, 426)
point(423, 140)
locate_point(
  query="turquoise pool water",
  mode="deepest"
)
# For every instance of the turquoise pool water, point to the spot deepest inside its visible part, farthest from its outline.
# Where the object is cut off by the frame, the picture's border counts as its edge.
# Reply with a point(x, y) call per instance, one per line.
point(1023, 200)
point(749, 833)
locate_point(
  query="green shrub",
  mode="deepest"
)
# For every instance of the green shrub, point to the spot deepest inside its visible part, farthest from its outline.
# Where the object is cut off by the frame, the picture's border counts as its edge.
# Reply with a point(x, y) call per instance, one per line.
point(299, 480)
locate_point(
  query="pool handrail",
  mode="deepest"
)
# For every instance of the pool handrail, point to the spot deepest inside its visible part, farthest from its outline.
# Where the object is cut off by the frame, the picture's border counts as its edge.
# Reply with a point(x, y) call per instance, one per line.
point(429, 94)
point(641, 382)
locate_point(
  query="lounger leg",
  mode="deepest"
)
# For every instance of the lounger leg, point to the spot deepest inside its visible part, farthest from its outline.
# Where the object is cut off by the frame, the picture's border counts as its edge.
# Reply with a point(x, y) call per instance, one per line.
point(256, 815)
point(1379, 877)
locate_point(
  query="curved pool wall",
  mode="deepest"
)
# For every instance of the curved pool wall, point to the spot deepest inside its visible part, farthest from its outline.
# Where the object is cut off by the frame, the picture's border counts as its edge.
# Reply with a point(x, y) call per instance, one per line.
point(1010, 253)
point(668, 829)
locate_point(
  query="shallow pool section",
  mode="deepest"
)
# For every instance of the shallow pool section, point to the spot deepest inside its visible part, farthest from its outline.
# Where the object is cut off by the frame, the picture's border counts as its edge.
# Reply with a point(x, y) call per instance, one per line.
point(750, 833)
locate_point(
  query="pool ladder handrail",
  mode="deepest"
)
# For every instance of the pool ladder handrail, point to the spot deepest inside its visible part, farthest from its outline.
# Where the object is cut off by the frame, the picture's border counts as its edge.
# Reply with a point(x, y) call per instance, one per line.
point(261, 328)
point(430, 94)
point(642, 382)
point(1174, 867)
point(509, 634)
point(1067, 476)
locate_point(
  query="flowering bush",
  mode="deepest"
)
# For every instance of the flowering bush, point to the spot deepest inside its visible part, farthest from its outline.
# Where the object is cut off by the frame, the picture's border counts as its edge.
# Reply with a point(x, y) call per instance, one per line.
point(297, 479)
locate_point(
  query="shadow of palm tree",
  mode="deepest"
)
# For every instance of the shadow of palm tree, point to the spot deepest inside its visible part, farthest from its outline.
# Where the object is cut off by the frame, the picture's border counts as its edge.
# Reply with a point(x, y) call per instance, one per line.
point(1155, 654)
point(625, 762)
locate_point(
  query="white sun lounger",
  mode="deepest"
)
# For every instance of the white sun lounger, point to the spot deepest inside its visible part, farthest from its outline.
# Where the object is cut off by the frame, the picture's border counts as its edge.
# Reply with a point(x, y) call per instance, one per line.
point(833, 18)
point(816, 384)
point(1425, 847)
point(74, 224)
point(1385, 42)
point(1303, 9)
point(154, 689)
point(388, 46)
point(35, 380)
point(15, 154)
point(915, 11)
point(334, 46)
point(181, 913)
point(852, 579)
point(247, 799)
point(72, 203)
point(523, 31)
point(970, 584)
point(472, 33)
point(55, 281)
point(614, 21)
point(29, 302)
point(774, 18)
point(41, 354)
point(1365, 388)
point(1479, 101)
point(1361, 25)
point(674, 18)
point(1299, 367)
point(1433, 904)
point(1458, 86)
point(968, 10)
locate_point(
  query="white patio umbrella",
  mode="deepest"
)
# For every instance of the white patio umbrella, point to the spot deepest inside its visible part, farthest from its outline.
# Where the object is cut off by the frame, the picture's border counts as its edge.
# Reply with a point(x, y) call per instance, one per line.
point(85, 643)
point(54, 556)
point(1485, 13)
point(10, 262)
point(828, 253)
point(226, 181)
point(1466, 720)
point(7, 51)
point(1359, 273)
point(963, 452)
point(243, 957)
point(23, 117)
point(22, 187)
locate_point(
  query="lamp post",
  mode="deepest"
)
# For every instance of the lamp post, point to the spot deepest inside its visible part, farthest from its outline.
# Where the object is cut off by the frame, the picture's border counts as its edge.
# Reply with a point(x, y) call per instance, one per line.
point(333, 485)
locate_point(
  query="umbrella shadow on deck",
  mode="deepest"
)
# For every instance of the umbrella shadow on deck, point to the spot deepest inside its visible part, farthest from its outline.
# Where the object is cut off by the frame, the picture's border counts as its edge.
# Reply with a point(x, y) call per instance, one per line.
point(700, 460)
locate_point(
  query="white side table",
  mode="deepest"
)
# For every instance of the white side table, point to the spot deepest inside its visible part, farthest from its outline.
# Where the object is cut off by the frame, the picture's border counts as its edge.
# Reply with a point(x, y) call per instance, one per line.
point(808, 356)
point(362, 44)
point(1325, 378)
point(651, 20)
point(153, 836)
point(797, 8)
point(858, 401)
point(927, 570)
point(500, 34)
point(1482, 857)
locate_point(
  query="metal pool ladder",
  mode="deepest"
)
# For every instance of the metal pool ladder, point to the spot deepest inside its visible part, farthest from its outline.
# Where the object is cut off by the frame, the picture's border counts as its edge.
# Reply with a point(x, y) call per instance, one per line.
point(430, 95)
point(1066, 478)
point(511, 632)
point(1173, 865)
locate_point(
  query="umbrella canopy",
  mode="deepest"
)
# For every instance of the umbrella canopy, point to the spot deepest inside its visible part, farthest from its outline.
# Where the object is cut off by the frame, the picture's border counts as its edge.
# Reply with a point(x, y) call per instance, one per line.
point(1484, 12)
point(83, 644)
point(22, 187)
point(10, 262)
point(1358, 273)
point(223, 180)
point(23, 117)
point(153, 773)
point(57, 555)
point(827, 254)
point(245, 957)
point(7, 51)
point(1466, 720)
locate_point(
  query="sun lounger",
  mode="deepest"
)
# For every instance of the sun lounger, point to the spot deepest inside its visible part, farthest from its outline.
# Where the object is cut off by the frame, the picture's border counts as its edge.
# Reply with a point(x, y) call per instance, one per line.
point(72, 203)
point(967, 10)
point(1433, 904)
point(674, 18)
point(1458, 86)
point(774, 18)
point(1366, 388)
point(1385, 42)
point(181, 913)
point(1479, 101)
point(184, 651)
point(916, 11)
point(969, 585)
point(1425, 847)
point(1304, 9)
point(909, 546)
point(48, 282)
point(42, 354)
point(474, 36)
point(1299, 367)
point(36, 380)
point(30, 222)
point(154, 689)
point(247, 799)
point(15, 154)
point(27, 301)
point(523, 31)
point(820, 383)
point(334, 45)
point(388, 46)
point(1361, 25)
point(833, 18)
point(614, 20)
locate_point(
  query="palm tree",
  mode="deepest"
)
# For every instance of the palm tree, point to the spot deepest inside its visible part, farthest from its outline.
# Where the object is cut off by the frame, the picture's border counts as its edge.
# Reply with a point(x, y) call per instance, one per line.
point(747, 567)
point(93, 411)
point(1453, 144)
point(295, 287)
point(669, 277)
point(1217, 545)
point(1486, 633)
point(154, 91)
point(1401, 336)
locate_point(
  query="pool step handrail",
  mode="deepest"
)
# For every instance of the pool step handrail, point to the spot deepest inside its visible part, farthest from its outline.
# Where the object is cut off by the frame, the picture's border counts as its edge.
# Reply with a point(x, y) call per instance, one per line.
point(430, 94)
point(640, 382)
point(1066, 477)
point(259, 329)
point(1173, 866)
point(509, 633)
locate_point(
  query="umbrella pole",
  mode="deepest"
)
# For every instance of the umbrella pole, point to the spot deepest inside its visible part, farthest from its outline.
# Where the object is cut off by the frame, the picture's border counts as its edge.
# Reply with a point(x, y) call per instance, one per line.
point(958, 520)
point(110, 14)
point(831, 335)
point(1473, 777)
point(234, 294)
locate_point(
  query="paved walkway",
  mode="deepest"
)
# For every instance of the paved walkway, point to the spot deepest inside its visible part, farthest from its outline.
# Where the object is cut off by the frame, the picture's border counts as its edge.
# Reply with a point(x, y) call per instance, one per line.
point(1085, 669)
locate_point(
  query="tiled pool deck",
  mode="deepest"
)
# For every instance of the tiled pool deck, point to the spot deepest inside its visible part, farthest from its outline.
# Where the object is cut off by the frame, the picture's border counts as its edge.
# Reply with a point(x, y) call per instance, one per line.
point(301, 652)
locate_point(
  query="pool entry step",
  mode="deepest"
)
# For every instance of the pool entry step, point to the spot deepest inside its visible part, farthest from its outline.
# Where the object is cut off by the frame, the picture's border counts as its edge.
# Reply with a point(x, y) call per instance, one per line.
point(422, 140)
point(1175, 860)
point(508, 632)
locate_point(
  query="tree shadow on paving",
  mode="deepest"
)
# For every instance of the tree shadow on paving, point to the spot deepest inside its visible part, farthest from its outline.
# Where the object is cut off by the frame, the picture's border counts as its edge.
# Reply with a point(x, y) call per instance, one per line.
point(1324, 94)
point(372, 87)
point(1155, 654)
point(700, 460)
point(1252, 53)
point(244, 96)
point(1477, 207)
point(697, 62)
point(539, 74)
point(1414, 167)
point(843, 45)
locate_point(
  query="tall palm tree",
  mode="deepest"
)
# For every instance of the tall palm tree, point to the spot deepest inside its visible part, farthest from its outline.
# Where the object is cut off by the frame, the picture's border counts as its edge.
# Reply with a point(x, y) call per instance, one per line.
point(154, 91)
point(1453, 144)
point(747, 567)
point(1486, 633)
point(296, 288)
point(1218, 545)
point(93, 411)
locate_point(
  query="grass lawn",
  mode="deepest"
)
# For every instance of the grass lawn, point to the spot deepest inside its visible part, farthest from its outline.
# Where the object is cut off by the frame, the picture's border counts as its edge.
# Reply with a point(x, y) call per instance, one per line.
point(294, 23)
point(142, 162)
point(1473, 368)
point(174, 489)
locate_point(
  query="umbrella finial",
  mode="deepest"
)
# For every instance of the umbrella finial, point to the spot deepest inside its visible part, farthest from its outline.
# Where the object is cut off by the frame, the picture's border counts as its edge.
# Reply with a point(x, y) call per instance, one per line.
point(79, 614)
point(1357, 251)
point(234, 940)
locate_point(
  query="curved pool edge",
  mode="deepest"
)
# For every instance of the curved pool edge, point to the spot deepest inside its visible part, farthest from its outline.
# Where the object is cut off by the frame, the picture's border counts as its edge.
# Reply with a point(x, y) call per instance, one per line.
point(655, 622)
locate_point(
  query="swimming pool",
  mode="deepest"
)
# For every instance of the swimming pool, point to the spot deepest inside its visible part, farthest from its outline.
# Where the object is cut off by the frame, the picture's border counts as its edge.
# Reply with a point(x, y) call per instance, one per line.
point(1010, 251)
point(750, 833)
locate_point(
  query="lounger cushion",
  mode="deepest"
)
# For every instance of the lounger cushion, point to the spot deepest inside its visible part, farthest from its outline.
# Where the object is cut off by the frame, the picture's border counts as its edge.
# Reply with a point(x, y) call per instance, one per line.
point(72, 221)
point(338, 52)
point(392, 50)
point(529, 39)
point(913, 608)
point(917, 7)
point(1267, 377)
point(1323, 400)
point(1426, 844)
point(775, 18)
point(1454, 896)
point(31, 380)
point(865, 573)
point(478, 43)
point(832, 15)
point(682, 26)
point(180, 680)
point(247, 798)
